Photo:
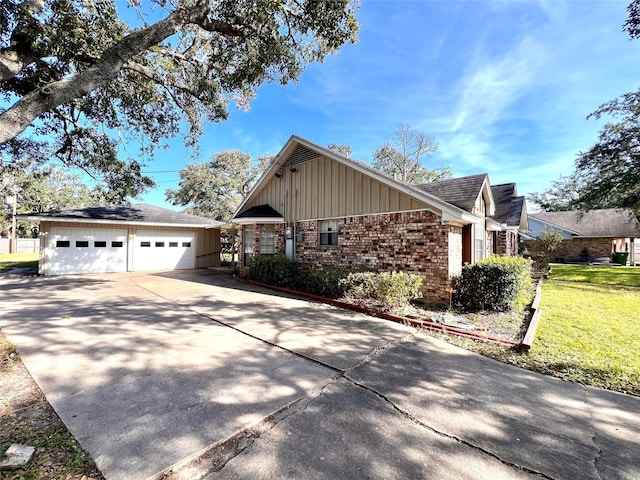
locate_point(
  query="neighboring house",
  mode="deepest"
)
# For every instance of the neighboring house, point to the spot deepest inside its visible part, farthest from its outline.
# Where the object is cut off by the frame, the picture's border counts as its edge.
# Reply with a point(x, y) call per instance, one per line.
point(588, 235)
point(123, 239)
point(319, 208)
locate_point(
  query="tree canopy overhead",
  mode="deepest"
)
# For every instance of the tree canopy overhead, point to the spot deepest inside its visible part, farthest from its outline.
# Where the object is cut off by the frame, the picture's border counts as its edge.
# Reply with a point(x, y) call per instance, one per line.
point(79, 79)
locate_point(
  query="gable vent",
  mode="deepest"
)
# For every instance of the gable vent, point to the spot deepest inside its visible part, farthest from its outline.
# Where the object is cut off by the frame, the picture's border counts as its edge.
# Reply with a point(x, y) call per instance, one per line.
point(300, 155)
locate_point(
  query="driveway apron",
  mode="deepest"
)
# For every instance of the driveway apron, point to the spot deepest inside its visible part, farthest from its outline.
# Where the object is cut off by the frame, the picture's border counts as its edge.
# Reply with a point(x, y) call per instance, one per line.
point(152, 370)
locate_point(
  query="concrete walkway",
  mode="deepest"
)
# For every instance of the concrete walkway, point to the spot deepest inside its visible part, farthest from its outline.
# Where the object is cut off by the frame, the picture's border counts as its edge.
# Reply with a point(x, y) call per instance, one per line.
point(224, 380)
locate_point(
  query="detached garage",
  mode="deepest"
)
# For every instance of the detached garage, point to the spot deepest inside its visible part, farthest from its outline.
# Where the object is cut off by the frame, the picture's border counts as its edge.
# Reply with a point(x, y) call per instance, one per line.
point(125, 239)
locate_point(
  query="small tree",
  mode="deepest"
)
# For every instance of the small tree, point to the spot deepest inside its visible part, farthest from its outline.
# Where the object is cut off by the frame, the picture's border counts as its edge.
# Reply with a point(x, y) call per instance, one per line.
point(550, 239)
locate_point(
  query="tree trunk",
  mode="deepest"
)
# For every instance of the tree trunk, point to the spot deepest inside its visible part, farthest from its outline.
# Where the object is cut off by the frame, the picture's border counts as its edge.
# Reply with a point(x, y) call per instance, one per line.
point(25, 111)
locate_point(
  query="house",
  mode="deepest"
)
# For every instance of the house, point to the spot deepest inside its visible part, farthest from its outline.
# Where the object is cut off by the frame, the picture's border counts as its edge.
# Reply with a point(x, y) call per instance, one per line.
point(511, 215)
point(503, 225)
point(319, 208)
point(124, 239)
point(588, 235)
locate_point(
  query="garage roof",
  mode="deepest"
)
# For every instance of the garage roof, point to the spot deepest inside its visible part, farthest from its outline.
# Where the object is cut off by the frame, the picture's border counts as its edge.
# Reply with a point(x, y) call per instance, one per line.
point(140, 213)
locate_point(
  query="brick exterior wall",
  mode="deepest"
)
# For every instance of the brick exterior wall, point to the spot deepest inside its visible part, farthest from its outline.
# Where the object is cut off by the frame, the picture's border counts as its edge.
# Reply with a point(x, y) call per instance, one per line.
point(414, 242)
point(506, 243)
point(595, 247)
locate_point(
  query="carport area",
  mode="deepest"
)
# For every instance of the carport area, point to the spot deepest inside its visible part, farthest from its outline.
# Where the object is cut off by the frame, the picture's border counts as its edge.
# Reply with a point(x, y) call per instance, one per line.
point(219, 379)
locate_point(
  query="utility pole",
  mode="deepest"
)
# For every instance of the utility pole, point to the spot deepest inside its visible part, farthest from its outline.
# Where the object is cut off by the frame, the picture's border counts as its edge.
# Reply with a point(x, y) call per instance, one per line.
point(13, 248)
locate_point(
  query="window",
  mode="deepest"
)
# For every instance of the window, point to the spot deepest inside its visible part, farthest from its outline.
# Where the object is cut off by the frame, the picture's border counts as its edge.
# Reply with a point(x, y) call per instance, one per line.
point(159, 244)
point(328, 232)
point(145, 244)
point(479, 249)
point(173, 244)
point(82, 243)
point(117, 244)
point(247, 243)
point(186, 244)
point(267, 240)
point(99, 244)
point(63, 243)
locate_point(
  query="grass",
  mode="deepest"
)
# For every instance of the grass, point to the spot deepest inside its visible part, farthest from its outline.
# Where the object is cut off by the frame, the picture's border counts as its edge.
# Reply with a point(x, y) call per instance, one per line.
point(9, 261)
point(622, 276)
point(27, 418)
point(589, 331)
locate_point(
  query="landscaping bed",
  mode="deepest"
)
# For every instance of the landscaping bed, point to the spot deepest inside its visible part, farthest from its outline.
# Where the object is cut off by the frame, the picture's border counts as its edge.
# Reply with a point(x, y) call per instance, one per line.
point(27, 418)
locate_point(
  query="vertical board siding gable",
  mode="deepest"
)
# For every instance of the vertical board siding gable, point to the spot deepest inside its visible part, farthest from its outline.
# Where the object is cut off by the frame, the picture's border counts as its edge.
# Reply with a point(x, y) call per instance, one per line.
point(326, 188)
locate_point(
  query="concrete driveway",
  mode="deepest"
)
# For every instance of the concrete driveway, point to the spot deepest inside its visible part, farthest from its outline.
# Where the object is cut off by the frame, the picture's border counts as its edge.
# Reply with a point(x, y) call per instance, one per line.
point(192, 375)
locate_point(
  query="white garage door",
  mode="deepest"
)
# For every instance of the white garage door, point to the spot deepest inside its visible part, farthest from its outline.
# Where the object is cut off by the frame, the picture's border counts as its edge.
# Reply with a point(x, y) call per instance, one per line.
point(156, 250)
point(87, 250)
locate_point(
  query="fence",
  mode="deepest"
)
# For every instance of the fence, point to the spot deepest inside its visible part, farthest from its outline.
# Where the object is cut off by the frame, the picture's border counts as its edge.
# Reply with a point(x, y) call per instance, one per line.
point(25, 245)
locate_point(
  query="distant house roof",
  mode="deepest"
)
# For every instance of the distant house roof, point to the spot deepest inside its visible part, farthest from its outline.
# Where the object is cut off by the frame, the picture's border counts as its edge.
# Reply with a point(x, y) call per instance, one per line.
point(141, 213)
point(509, 206)
point(608, 222)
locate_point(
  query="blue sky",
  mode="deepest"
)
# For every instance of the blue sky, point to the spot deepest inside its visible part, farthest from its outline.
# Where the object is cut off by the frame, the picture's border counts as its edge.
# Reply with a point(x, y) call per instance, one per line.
point(503, 86)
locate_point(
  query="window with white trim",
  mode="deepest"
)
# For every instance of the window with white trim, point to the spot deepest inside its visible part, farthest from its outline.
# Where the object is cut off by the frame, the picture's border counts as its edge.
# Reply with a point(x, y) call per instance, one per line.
point(267, 240)
point(328, 230)
point(479, 249)
point(247, 244)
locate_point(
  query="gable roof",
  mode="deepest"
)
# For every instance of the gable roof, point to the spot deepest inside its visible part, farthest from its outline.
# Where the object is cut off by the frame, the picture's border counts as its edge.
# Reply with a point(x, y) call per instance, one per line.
point(298, 150)
point(140, 213)
point(607, 222)
point(259, 214)
point(461, 192)
point(510, 208)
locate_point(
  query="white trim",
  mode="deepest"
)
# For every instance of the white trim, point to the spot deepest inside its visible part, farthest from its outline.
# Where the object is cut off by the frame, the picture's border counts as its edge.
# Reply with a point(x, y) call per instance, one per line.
point(256, 220)
point(449, 213)
point(468, 217)
point(39, 218)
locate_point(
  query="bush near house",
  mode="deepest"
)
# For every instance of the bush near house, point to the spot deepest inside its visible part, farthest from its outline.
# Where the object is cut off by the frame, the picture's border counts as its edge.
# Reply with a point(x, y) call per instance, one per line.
point(495, 283)
point(386, 290)
point(326, 281)
point(277, 271)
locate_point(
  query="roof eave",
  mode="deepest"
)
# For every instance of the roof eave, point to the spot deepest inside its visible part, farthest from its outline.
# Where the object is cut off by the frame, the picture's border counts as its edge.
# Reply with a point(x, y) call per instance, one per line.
point(44, 218)
point(261, 220)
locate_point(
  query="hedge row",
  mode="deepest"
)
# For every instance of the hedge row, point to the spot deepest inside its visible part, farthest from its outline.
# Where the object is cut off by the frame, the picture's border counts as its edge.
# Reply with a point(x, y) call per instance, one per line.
point(386, 290)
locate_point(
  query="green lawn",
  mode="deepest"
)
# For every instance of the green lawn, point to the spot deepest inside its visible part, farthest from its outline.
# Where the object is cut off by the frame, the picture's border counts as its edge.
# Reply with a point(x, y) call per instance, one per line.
point(589, 331)
point(625, 276)
point(17, 260)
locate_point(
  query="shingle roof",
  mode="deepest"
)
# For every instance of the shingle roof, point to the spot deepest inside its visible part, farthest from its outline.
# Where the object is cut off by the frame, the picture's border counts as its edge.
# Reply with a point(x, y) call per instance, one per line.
point(515, 211)
point(260, 211)
point(140, 212)
point(508, 206)
point(461, 192)
point(608, 222)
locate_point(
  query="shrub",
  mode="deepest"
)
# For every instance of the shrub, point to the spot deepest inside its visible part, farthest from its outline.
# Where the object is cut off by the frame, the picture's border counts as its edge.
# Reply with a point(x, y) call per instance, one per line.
point(277, 271)
point(326, 281)
point(540, 262)
point(495, 283)
point(388, 290)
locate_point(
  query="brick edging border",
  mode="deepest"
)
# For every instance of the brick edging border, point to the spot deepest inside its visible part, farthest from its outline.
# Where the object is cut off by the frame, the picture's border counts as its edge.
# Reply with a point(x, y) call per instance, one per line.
point(535, 313)
point(394, 318)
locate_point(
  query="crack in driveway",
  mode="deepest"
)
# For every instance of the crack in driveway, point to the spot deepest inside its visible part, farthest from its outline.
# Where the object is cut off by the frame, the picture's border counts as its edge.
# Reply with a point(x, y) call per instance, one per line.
point(215, 457)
